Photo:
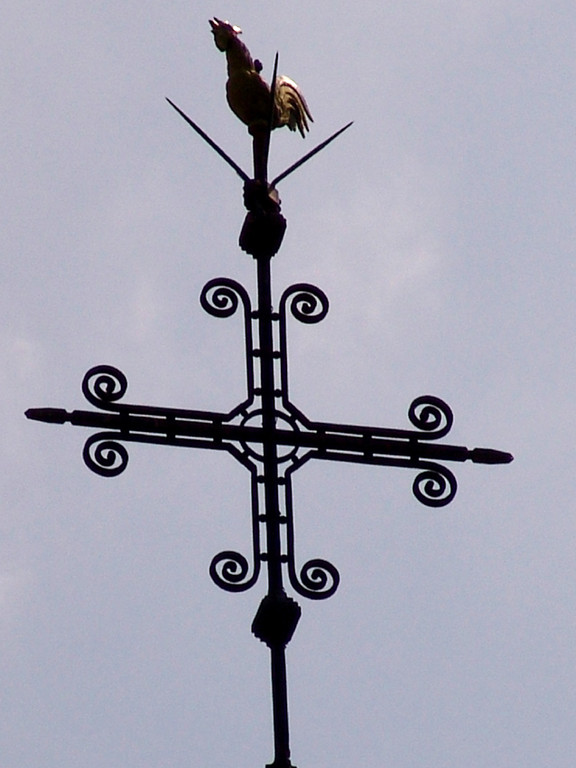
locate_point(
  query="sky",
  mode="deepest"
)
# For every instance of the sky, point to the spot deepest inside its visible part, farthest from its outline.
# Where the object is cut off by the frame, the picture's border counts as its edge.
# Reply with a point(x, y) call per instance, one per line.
point(442, 228)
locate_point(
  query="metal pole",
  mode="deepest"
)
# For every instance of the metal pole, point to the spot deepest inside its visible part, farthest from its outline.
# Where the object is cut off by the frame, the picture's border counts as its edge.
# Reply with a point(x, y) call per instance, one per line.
point(276, 598)
point(270, 447)
point(280, 707)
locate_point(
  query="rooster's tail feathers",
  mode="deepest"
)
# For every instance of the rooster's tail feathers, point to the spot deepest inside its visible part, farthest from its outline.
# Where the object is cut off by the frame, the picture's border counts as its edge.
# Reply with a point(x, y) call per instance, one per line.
point(291, 107)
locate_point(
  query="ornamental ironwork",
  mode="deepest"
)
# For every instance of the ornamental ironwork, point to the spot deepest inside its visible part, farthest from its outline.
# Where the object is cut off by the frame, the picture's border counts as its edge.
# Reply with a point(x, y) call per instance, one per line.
point(266, 432)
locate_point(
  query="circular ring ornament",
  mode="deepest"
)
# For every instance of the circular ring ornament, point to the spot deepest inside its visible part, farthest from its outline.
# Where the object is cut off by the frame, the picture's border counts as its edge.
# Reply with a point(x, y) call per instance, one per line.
point(284, 452)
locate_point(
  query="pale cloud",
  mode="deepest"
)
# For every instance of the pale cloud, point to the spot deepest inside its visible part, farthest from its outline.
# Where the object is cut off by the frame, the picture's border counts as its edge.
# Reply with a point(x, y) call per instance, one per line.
point(143, 309)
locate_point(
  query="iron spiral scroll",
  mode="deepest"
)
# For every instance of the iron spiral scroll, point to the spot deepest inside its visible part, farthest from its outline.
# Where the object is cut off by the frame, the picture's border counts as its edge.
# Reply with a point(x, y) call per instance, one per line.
point(436, 485)
point(103, 386)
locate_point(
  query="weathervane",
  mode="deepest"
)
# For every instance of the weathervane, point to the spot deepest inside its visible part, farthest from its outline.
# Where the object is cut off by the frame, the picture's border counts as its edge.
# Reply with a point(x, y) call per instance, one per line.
point(266, 432)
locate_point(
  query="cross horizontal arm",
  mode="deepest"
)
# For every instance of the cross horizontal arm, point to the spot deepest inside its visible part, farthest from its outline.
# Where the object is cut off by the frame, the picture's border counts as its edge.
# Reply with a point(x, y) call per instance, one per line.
point(179, 427)
point(371, 444)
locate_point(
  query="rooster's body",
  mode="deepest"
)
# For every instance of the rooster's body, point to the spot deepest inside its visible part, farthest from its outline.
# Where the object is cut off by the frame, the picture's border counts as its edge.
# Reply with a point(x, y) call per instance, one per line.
point(247, 92)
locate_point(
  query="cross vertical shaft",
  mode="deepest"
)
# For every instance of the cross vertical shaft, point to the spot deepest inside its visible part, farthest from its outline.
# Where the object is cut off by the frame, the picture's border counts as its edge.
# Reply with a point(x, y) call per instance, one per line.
point(280, 707)
point(276, 604)
point(277, 615)
point(270, 446)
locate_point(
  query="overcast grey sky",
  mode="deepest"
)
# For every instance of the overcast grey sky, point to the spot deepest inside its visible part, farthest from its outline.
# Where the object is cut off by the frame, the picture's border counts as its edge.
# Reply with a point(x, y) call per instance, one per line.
point(442, 228)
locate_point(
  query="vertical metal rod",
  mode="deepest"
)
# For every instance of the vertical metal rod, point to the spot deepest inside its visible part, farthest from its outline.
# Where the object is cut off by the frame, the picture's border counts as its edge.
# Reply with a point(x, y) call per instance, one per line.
point(280, 708)
point(272, 511)
point(260, 148)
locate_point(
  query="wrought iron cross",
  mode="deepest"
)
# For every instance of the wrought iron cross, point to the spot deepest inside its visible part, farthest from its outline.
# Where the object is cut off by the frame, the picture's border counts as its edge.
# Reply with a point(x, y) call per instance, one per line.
point(268, 434)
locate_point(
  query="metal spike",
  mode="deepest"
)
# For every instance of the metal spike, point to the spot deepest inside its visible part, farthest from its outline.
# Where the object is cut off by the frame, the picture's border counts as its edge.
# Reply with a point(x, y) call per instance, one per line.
point(310, 154)
point(244, 176)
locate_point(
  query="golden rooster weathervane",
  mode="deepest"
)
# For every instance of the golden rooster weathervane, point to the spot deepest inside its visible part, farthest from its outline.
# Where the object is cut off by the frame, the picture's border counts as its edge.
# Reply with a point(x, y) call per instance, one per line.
point(249, 95)
point(262, 108)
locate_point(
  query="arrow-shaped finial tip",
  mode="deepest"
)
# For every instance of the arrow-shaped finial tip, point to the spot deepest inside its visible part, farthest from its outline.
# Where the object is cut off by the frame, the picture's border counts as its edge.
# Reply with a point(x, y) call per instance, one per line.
point(49, 415)
point(490, 456)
